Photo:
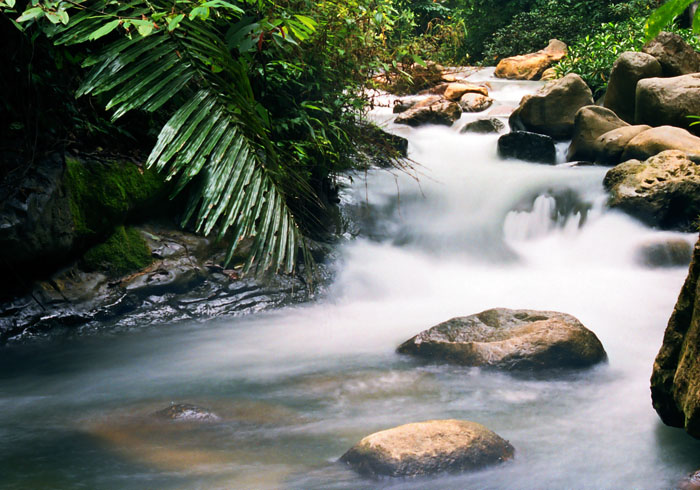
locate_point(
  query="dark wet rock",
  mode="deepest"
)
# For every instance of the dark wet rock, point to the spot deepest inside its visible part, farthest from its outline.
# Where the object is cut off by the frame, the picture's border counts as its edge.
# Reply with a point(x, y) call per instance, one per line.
point(531, 147)
point(590, 123)
point(552, 109)
point(427, 448)
point(668, 101)
point(655, 140)
point(675, 55)
point(610, 146)
point(531, 66)
point(490, 125)
point(433, 110)
point(511, 340)
point(402, 106)
point(627, 71)
point(662, 191)
point(666, 253)
point(675, 380)
point(185, 412)
point(473, 102)
point(182, 283)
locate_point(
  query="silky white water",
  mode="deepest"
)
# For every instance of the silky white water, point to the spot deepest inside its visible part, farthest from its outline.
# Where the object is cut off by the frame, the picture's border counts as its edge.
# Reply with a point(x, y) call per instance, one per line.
point(297, 387)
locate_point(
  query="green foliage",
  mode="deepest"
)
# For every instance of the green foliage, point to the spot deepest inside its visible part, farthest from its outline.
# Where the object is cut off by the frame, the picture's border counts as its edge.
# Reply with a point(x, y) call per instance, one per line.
point(123, 252)
point(592, 56)
point(566, 20)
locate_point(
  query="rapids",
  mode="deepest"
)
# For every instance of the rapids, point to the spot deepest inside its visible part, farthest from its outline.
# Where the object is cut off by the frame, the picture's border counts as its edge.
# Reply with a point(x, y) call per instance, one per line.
point(294, 388)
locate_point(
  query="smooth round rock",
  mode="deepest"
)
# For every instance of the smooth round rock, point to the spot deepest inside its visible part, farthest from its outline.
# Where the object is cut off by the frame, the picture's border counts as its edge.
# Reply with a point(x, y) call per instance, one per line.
point(426, 448)
point(511, 340)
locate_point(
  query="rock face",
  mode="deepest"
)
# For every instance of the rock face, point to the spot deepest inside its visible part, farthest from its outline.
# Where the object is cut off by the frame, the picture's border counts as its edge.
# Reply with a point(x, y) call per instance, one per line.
point(531, 147)
point(675, 380)
point(510, 339)
point(454, 91)
point(627, 71)
point(490, 125)
point(675, 55)
point(531, 66)
point(426, 448)
point(433, 110)
point(551, 110)
point(668, 101)
point(662, 191)
point(591, 122)
point(472, 102)
point(610, 146)
point(655, 140)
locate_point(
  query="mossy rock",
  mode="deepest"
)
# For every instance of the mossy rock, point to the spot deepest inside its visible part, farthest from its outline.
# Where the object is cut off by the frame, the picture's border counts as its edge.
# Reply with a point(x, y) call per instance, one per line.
point(102, 194)
point(123, 252)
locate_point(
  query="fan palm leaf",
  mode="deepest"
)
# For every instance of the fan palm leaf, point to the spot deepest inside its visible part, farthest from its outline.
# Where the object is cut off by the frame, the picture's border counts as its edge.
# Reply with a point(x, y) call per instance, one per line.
point(215, 142)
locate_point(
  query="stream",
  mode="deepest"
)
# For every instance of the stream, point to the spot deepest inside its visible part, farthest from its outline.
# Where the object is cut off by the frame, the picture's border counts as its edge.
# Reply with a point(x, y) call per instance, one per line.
point(294, 388)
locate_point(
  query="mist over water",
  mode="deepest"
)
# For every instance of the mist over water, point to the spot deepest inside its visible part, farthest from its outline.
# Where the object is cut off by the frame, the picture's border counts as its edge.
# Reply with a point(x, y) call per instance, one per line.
point(296, 387)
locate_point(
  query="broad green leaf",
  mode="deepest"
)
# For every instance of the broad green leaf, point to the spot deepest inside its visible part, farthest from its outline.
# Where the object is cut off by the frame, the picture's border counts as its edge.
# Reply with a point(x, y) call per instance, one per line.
point(104, 30)
point(175, 21)
point(10, 3)
point(663, 16)
point(30, 14)
point(307, 21)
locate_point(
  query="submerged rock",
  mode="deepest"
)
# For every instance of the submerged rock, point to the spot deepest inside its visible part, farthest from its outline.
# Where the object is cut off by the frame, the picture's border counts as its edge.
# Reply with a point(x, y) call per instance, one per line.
point(433, 110)
point(667, 253)
point(675, 381)
point(186, 412)
point(662, 191)
point(691, 482)
point(552, 109)
point(426, 448)
point(490, 125)
point(531, 66)
point(531, 147)
point(510, 339)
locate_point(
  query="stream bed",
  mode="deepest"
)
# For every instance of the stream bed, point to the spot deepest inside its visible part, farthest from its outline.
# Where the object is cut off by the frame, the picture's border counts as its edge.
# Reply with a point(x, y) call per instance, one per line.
point(294, 388)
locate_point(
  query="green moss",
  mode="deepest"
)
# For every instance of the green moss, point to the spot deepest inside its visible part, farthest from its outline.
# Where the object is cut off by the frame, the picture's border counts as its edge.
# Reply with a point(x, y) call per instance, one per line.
point(101, 194)
point(124, 251)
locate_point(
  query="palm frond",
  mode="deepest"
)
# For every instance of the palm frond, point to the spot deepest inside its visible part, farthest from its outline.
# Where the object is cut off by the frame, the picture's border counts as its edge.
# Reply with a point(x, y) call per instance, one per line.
point(215, 141)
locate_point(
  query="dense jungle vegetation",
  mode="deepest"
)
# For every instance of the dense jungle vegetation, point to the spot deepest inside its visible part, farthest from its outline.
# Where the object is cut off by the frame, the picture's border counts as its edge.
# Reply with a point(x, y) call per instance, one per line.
point(251, 107)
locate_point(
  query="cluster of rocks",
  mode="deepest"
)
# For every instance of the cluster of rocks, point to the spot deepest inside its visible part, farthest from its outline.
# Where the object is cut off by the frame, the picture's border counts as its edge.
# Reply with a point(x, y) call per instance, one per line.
point(641, 128)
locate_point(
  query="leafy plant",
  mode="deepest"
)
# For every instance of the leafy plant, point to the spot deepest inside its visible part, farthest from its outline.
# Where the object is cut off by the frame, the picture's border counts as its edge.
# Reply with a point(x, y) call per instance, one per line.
point(665, 15)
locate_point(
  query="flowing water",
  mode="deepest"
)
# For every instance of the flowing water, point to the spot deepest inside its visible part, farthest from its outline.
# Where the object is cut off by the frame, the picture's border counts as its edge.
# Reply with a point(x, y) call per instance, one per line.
point(295, 388)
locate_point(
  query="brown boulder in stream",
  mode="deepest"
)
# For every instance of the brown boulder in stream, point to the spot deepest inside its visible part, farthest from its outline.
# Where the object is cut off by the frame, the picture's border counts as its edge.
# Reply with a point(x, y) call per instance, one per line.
point(426, 448)
point(510, 339)
point(675, 381)
point(531, 66)
point(433, 110)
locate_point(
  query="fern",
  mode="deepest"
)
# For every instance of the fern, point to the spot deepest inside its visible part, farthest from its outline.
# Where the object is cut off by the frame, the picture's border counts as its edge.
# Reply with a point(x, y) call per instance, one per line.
point(216, 141)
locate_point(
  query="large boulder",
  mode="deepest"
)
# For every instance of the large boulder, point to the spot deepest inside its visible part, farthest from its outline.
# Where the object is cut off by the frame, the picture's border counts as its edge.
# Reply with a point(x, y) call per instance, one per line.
point(627, 71)
point(668, 101)
point(454, 91)
point(489, 125)
point(474, 102)
point(610, 146)
point(675, 55)
point(671, 252)
point(426, 448)
point(591, 122)
point(531, 147)
point(655, 140)
point(662, 191)
point(433, 110)
point(531, 66)
point(675, 380)
point(510, 339)
point(552, 109)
